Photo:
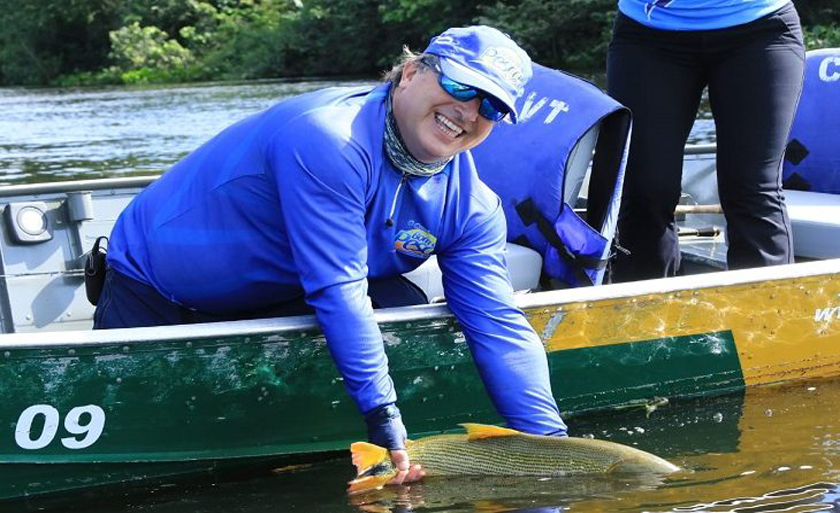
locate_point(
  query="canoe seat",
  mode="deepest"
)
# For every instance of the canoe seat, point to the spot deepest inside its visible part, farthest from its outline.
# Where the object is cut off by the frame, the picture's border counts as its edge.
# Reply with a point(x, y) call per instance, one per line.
point(815, 224)
point(524, 265)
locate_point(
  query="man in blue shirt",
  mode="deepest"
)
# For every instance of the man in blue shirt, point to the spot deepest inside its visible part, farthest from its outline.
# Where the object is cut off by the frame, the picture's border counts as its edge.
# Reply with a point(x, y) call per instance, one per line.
point(308, 203)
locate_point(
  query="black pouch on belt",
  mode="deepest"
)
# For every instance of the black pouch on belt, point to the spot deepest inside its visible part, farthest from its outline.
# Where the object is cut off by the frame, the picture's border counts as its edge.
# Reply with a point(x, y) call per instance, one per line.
point(95, 270)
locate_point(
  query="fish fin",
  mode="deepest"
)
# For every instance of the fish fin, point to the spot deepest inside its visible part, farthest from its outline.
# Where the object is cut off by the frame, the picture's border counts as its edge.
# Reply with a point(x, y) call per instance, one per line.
point(365, 456)
point(365, 484)
point(479, 431)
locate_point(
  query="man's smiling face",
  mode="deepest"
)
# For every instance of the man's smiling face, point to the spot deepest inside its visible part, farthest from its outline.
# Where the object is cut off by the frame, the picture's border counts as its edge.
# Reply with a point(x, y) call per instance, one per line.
point(434, 125)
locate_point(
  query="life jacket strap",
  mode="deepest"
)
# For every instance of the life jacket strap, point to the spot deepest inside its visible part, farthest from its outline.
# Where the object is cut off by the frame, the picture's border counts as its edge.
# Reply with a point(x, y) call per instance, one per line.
point(529, 214)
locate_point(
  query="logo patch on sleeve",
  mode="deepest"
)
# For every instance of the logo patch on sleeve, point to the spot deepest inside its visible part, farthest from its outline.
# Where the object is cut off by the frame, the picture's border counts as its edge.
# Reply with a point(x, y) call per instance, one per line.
point(415, 241)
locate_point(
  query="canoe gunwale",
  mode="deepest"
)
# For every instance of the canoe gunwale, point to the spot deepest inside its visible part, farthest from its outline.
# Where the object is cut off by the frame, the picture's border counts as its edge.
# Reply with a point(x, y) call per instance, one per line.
point(37, 189)
point(680, 283)
point(546, 299)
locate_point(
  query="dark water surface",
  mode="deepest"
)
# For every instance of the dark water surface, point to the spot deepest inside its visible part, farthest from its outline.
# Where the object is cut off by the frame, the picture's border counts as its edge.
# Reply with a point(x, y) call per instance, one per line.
point(64, 134)
point(772, 449)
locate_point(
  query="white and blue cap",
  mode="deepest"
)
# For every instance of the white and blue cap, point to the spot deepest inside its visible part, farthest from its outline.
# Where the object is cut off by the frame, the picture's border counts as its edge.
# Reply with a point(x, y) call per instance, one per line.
point(485, 58)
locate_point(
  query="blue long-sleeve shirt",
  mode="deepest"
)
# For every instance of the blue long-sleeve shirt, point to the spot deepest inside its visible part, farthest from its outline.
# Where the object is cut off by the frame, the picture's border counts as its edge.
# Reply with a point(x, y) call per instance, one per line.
point(293, 201)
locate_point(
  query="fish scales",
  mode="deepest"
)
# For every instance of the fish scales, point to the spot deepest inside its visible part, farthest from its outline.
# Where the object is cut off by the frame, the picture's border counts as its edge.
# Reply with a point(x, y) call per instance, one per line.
point(493, 451)
point(516, 455)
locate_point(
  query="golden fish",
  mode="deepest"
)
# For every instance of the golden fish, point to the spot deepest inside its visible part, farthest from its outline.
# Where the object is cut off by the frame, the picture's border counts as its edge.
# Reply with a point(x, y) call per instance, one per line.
point(496, 451)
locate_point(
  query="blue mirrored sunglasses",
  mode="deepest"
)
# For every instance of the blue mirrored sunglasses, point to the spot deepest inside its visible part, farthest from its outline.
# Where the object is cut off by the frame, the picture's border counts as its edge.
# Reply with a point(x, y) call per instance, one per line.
point(490, 107)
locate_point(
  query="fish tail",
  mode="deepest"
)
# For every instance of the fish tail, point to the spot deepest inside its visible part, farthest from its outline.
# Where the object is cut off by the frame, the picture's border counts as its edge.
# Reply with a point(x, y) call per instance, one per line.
point(365, 455)
point(364, 484)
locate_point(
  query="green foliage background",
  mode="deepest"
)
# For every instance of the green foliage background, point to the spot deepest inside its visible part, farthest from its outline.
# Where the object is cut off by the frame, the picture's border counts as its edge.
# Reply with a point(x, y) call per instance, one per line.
point(72, 42)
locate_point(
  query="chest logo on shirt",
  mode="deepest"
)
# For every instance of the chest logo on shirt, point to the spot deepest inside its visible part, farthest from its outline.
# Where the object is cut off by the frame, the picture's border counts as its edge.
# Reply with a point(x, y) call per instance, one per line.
point(650, 6)
point(415, 241)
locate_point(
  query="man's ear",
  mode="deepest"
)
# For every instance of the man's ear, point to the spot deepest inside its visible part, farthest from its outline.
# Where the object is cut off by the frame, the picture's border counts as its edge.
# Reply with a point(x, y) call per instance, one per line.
point(408, 73)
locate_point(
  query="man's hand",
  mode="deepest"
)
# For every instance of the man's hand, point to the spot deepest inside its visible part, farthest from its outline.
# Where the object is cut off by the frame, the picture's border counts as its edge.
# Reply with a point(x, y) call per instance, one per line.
point(406, 472)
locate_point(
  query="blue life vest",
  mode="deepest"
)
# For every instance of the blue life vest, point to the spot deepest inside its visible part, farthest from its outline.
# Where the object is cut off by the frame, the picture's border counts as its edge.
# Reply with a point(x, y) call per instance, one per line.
point(812, 159)
point(528, 166)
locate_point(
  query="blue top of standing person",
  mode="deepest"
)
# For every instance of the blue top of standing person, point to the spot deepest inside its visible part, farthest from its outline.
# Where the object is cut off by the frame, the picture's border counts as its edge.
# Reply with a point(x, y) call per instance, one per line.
point(697, 14)
point(294, 201)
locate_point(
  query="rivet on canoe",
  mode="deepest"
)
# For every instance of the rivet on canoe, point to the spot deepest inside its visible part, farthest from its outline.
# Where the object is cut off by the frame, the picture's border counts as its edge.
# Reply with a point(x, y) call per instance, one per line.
point(71, 352)
point(125, 349)
point(119, 380)
point(189, 344)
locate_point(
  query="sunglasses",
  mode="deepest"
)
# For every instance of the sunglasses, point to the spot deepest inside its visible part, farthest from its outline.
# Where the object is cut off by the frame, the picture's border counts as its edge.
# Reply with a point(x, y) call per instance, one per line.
point(490, 108)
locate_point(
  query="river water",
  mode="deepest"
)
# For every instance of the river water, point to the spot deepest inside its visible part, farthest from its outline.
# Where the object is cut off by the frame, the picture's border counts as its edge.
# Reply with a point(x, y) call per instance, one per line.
point(63, 134)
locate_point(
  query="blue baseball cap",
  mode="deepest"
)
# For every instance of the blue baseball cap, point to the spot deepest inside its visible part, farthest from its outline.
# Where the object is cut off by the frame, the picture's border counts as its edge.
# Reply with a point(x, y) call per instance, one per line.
point(485, 58)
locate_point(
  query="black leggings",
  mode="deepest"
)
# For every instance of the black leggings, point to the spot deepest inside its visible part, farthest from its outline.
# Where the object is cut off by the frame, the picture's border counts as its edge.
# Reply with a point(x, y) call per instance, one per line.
point(754, 74)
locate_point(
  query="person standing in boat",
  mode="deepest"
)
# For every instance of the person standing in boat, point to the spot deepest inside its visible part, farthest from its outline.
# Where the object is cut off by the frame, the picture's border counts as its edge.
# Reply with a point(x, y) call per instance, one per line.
point(751, 56)
point(322, 202)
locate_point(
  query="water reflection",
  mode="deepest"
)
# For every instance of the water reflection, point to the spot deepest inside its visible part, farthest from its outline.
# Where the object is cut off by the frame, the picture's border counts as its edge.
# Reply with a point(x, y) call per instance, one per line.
point(811, 497)
point(496, 494)
point(771, 449)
